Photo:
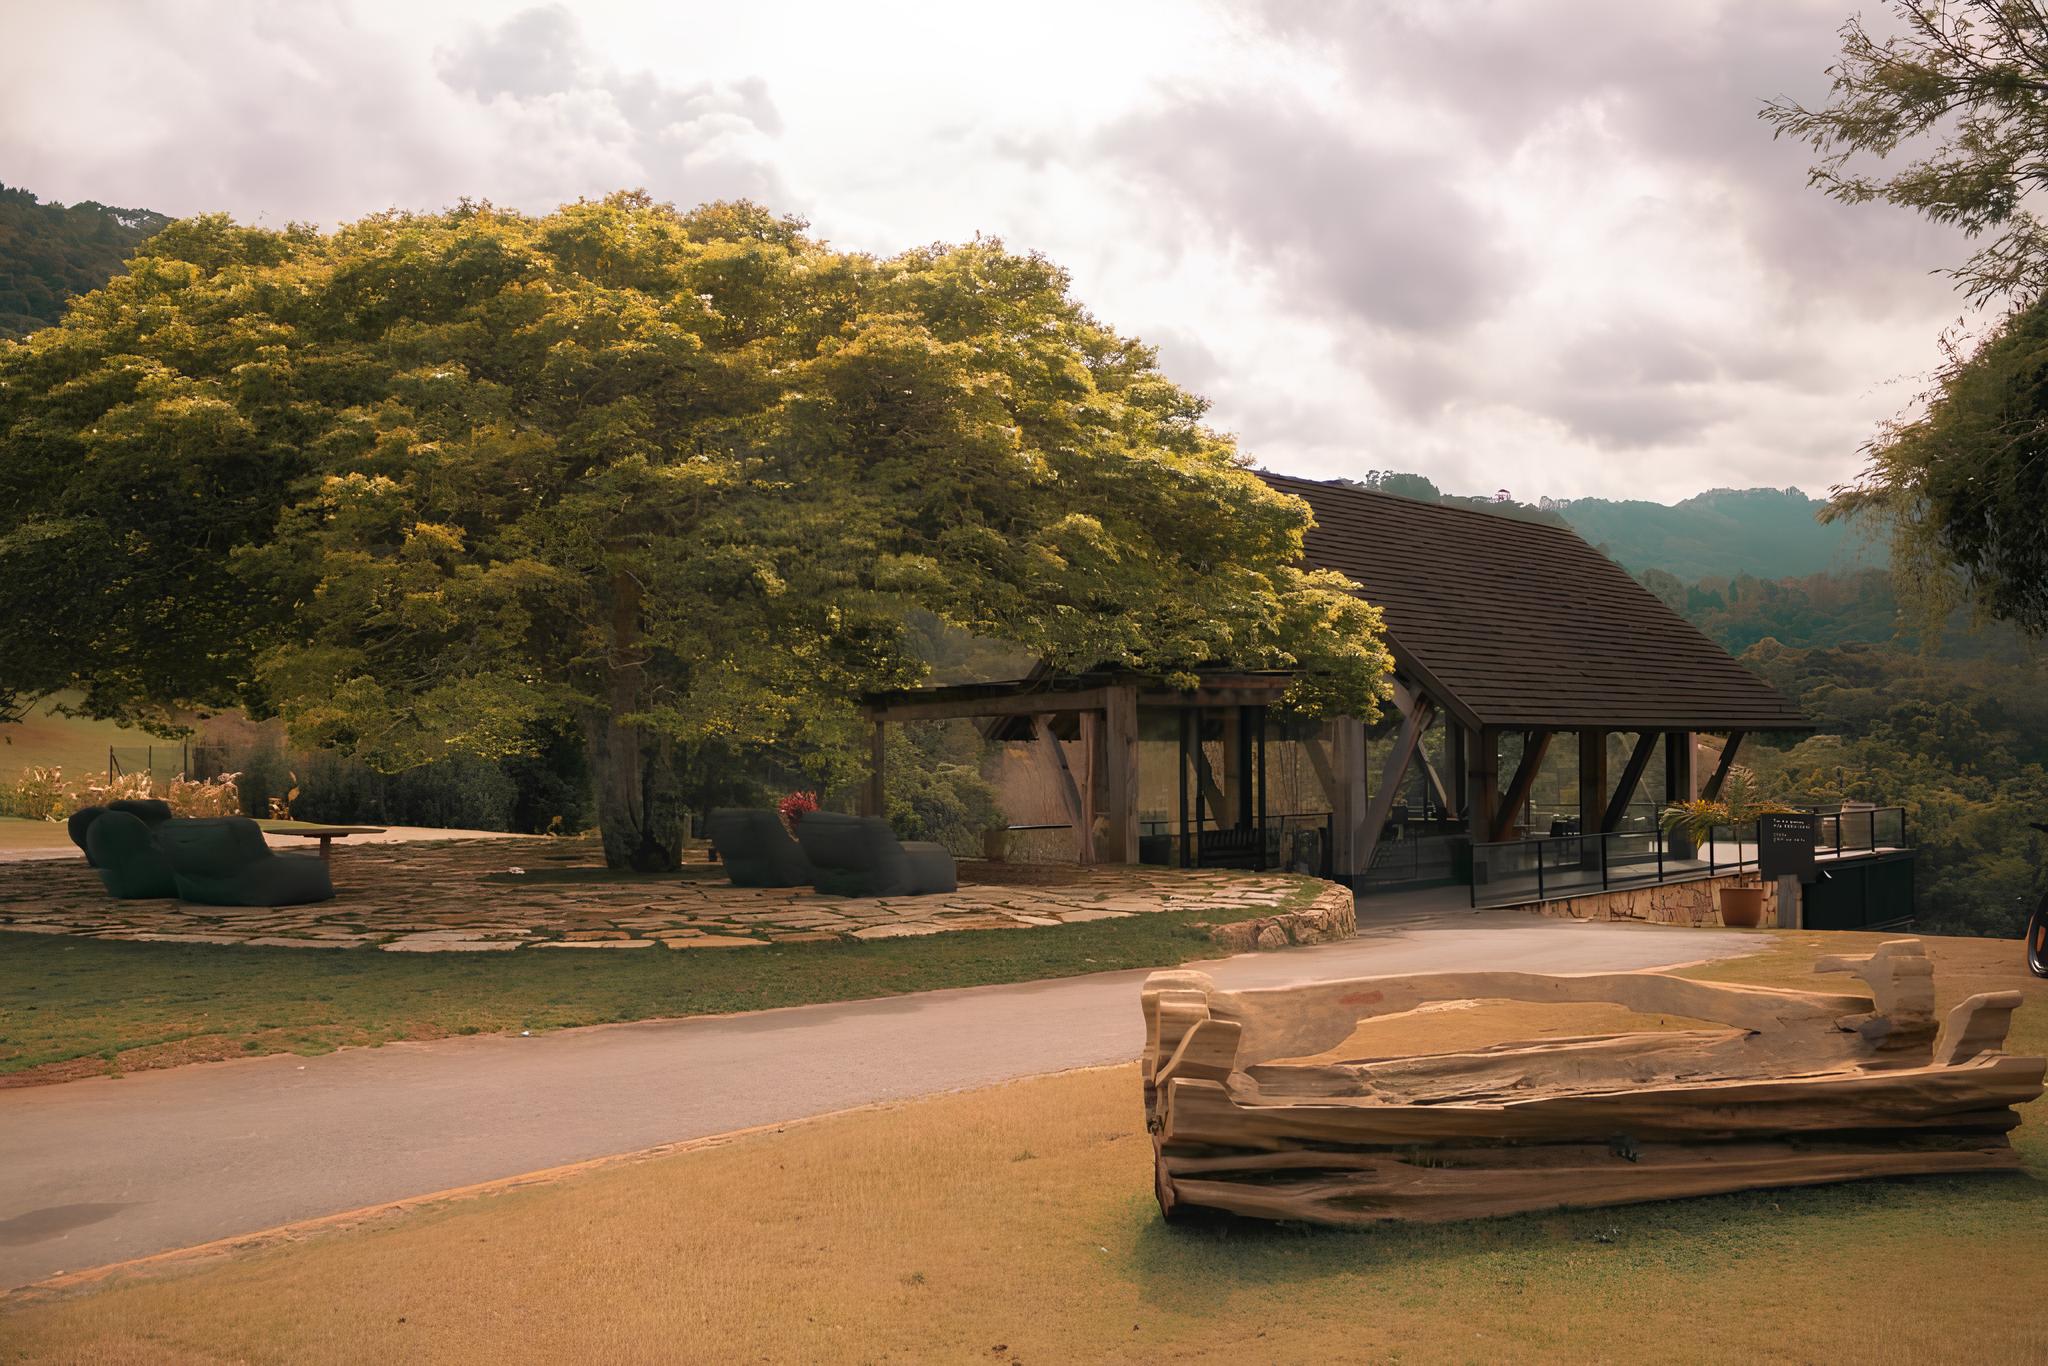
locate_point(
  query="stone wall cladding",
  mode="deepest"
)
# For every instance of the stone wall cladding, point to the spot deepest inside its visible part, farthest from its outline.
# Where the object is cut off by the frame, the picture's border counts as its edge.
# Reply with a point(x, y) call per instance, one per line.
point(1331, 916)
point(1671, 903)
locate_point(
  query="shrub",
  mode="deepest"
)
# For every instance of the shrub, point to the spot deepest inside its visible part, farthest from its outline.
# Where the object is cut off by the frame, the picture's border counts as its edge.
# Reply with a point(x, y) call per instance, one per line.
point(37, 795)
point(261, 774)
point(203, 797)
point(458, 793)
point(552, 785)
point(122, 787)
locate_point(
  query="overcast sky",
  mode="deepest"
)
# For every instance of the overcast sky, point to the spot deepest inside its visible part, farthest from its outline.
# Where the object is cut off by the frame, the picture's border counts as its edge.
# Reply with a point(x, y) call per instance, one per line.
point(1541, 246)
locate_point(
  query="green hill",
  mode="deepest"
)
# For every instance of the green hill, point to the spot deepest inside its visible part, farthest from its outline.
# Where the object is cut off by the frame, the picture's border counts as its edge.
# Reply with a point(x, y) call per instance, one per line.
point(1722, 533)
point(51, 252)
point(1768, 533)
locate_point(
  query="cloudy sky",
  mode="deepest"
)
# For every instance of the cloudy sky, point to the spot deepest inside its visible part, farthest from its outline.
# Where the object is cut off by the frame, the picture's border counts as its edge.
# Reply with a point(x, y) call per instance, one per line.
point(1541, 246)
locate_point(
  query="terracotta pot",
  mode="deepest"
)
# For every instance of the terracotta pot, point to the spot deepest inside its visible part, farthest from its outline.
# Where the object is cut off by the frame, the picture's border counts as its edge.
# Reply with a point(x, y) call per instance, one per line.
point(1742, 908)
point(995, 845)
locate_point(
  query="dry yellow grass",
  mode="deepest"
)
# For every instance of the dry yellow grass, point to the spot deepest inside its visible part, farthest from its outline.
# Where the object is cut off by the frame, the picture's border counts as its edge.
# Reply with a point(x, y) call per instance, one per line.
point(1016, 1225)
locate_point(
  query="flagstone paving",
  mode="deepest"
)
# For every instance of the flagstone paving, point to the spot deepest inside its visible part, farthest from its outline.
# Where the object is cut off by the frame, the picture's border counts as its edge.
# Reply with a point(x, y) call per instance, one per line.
point(499, 895)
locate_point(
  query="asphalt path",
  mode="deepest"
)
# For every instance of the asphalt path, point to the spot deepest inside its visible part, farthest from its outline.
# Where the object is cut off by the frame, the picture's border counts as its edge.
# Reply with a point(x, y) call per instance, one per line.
point(108, 1169)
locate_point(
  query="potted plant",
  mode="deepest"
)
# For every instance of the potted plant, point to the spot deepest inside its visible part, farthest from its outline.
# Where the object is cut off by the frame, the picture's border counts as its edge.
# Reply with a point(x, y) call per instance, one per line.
point(793, 807)
point(1740, 803)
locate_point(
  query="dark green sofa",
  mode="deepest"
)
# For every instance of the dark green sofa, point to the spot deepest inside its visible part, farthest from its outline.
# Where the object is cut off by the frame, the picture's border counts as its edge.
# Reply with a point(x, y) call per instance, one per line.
point(224, 861)
point(756, 849)
point(861, 856)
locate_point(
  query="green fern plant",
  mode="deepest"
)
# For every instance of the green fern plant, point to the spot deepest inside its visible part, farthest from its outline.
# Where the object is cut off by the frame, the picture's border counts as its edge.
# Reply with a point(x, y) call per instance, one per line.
point(1740, 803)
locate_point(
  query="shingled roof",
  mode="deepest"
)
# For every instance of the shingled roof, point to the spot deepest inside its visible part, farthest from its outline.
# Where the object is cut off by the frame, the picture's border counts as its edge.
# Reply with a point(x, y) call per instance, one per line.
point(1521, 625)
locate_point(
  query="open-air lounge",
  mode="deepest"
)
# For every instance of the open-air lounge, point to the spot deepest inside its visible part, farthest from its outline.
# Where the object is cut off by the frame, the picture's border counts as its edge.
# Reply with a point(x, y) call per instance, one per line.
point(1543, 707)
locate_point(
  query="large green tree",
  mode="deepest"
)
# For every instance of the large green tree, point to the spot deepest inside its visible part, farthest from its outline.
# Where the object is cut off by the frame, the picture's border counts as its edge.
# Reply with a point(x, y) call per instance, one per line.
point(1959, 90)
point(431, 484)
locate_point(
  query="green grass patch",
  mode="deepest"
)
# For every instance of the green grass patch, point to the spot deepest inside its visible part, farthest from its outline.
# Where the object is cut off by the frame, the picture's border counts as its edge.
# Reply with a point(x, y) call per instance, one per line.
point(64, 999)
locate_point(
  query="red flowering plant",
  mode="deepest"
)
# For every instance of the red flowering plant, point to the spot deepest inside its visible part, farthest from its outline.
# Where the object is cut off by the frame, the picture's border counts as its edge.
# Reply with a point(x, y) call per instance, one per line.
point(794, 805)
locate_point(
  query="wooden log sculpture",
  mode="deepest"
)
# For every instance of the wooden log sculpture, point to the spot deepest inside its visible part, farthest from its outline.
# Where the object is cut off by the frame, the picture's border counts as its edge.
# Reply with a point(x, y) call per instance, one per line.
point(1256, 1107)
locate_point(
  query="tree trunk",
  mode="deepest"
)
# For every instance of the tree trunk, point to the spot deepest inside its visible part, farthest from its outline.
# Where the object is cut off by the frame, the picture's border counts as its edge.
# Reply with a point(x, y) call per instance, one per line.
point(640, 809)
point(639, 799)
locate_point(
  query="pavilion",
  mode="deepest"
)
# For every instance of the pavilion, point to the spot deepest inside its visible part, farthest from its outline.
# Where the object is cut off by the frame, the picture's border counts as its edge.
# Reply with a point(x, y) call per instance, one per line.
point(1508, 636)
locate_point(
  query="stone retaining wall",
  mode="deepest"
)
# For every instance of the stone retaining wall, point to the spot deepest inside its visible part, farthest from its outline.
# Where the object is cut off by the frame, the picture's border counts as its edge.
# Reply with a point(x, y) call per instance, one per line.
point(1332, 915)
point(1670, 903)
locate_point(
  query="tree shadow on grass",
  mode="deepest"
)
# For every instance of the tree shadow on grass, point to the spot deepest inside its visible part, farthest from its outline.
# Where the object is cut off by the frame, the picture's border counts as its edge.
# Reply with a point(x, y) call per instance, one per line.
point(1194, 1265)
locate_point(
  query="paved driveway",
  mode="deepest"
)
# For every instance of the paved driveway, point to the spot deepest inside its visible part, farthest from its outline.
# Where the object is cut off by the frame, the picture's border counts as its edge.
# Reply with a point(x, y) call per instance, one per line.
point(107, 1169)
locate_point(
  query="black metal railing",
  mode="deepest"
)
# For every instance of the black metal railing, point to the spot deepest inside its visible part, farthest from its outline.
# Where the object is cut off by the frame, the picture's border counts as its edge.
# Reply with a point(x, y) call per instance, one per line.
point(1297, 840)
point(1548, 868)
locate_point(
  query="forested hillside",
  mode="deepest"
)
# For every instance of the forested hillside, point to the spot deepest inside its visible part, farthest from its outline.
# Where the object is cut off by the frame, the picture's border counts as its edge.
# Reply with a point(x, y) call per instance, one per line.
point(1954, 729)
point(51, 252)
point(1770, 533)
point(1724, 533)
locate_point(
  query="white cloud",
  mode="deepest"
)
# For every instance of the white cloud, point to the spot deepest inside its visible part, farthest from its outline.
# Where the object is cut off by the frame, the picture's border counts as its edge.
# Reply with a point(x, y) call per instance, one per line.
point(1544, 247)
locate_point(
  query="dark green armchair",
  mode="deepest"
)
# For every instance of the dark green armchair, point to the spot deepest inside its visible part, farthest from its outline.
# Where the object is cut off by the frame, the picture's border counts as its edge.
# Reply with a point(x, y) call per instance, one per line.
point(861, 856)
point(756, 849)
point(123, 851)
point(224, 861)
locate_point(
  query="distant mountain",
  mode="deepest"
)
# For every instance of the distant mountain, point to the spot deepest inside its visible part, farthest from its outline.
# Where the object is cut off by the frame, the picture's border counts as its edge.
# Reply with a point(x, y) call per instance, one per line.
point(1768, 533)
point(52, 252)
point(1722, 533)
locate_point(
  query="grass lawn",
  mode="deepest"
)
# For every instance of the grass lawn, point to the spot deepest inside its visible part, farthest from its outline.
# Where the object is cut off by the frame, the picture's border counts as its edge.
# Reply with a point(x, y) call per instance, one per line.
point(1016, 1225)
point(18, 835)
point(72, 1007)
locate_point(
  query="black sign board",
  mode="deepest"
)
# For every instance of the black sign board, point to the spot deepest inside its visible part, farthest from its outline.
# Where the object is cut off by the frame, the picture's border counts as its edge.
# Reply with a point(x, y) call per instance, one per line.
point(1785, 843)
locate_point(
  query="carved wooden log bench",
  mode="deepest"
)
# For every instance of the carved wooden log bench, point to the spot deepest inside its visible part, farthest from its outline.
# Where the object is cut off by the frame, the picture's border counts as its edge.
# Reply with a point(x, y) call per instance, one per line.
point(1256, 1107)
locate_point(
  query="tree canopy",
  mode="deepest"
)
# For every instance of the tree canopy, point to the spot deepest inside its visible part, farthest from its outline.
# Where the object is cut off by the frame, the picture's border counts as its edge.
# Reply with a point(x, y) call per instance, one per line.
point(1962, 85)
point(1964, 484)
point(1963, 88)
point(432, 483)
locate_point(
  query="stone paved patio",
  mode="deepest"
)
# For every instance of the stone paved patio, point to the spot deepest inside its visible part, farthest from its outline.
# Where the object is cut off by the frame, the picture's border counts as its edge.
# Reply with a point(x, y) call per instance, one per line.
point(471, 896)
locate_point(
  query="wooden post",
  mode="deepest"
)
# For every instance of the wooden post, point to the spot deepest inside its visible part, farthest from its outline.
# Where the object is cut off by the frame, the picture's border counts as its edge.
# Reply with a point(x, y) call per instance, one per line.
point(1678, 770)
point(1790, 913)
point(1592, 780)
point(1230, 794)
point(871, 803)
point(1456, 742)
point(1482, 782)
point(1120, 772)
point(1090, 728)
point(1340, 769)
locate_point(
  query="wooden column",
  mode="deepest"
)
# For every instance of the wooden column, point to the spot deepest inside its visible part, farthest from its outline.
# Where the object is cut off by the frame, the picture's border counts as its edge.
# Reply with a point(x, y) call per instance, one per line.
point(1456, 742)
point(1231, 793)
point(1679, 782)
point(871, 797)
point(1482, 781)
point(1592, 780)
point(1341, 771)
point(1120, 773)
